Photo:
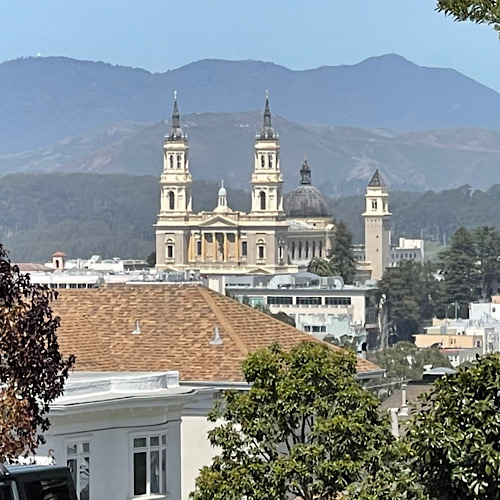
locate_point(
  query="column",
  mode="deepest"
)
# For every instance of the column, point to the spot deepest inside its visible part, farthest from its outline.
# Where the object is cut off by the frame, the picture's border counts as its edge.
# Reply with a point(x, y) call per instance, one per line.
point(236, 246)
point(203, 247)
point(226, 247)
point(214, 247)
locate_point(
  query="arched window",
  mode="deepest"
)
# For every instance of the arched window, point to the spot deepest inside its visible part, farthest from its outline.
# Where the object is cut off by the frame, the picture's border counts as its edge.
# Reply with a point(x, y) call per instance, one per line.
point(374, 204)
point(169, 254)
point(262, 161)
point(300, 249)
point(314, 249)
point(171, 200)
point(171, 161)
point(179, 161)
point(261, 250)
point(262, 197)
point(307, 249)
point(270, 160)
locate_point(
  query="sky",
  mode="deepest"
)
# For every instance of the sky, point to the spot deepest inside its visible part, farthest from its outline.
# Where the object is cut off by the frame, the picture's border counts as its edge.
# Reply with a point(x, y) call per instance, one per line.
point(159, 35)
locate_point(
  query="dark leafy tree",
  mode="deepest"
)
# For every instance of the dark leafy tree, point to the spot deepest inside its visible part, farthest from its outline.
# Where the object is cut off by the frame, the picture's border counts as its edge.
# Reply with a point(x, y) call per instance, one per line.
point(461, 275)
point(455, 438)
point(404, 361)
point(342, 260)
point(305, 428)
point(32, 370)
point(477, 11)
point(321, 267)
point(408, 295)
point(151, 260)
point(487, 250)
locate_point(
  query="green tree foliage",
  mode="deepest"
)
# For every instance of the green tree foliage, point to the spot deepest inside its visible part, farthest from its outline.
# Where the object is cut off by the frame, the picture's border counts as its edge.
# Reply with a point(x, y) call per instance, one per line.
point(477, 11)
point(404, 361)
point(32, 370)
point(487, 250)
point(409, 294)
point(455, 440)
point(321, 267)
point(305, 428)
point(342, 257)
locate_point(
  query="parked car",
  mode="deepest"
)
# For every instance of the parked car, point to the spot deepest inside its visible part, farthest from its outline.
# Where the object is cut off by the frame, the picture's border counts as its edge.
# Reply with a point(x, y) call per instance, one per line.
point(36, 482)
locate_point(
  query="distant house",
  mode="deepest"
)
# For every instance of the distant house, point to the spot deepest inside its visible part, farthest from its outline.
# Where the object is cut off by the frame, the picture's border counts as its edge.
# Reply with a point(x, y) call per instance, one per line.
point(121, 331)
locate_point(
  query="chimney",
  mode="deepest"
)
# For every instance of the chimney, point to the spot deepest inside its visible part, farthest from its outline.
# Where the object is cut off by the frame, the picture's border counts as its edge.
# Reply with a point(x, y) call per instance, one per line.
point(404, 402)
point(137, 330)
point(217, 339)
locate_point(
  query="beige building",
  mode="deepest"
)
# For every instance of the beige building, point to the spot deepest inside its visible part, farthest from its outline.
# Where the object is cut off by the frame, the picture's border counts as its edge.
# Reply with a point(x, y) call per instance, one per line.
point(267, 240)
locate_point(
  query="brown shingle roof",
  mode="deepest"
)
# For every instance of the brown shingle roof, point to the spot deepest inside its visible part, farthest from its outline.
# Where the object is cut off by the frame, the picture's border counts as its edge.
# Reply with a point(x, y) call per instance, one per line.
point(176, 323)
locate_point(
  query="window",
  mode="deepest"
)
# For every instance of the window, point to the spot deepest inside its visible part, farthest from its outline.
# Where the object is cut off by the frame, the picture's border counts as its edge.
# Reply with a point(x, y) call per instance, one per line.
point(262, 198)
point(270, 160)
point(338, 301)
point(170, 249)
point(244, 249)
point(314, 249)
point(261, 250)
point(179, 161)
point(78, 462)
point(314, 301)
point(171, 161)
point(48, 489)
point(262, 161)
point(150, 464)
point(293, 249)
point(279, 300)
point(321, 249)
point(198, 247)
point(319, 329)
point(374, 204)
point(171, 200)
point(307, 249)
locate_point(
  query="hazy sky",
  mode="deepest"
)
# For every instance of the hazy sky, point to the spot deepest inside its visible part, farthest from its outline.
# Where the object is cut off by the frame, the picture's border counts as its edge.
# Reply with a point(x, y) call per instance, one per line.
point(161, 34)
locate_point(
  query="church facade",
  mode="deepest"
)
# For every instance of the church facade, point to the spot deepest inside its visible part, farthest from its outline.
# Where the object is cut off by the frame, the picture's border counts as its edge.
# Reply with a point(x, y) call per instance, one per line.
point(278, 235)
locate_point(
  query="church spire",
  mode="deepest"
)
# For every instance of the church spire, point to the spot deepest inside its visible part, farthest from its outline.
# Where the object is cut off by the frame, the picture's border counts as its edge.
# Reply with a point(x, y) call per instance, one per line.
point(176, 132)
point(266, 131)
point(305, 173)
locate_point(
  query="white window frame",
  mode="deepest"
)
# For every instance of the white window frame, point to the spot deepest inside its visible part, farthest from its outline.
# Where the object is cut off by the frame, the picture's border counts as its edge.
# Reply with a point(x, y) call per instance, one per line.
point(80, 457)
point(148, 449)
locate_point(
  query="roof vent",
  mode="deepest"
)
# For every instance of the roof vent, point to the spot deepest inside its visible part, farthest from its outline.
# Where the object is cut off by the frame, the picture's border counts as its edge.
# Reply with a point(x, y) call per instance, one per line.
point(137, 330)
point(217, 340)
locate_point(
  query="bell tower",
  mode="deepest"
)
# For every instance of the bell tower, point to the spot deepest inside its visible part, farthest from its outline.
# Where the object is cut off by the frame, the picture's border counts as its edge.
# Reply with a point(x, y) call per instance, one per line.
point(377, 226)
point(267, 180)
point(175, 180)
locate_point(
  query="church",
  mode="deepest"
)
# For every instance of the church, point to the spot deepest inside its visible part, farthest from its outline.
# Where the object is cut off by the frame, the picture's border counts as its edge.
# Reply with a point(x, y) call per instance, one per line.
point(279, 234)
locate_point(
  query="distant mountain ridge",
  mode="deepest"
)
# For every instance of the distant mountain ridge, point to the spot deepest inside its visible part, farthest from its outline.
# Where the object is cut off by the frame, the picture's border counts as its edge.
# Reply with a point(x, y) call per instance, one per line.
point(44, 100)
point(221, 147)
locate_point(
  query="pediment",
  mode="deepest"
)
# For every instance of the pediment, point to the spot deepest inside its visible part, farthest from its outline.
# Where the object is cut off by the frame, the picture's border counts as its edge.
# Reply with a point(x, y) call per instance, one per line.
point(218, 221)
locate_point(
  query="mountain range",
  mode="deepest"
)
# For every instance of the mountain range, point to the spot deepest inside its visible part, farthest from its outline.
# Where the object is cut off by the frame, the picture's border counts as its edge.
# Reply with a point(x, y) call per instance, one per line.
point(424, 128)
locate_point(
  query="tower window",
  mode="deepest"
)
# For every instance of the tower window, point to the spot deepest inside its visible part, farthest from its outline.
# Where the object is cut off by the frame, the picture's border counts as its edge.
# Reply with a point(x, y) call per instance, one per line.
point(179, 161)
point(374, 204)
point(171, 200)
point(314, 249)
point(261, 250)
point(307, 249)
point(171, 158)
point(170, 249)
point(198, 247)
point(293, 249)
point(270, 160)
point(300, 249)
point(262, 161)
point(321, 249)
point(262, 197)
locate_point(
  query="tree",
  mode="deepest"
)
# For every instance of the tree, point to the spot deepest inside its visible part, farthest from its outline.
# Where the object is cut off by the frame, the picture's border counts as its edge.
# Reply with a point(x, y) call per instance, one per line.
point(151, 260)
point(342, 260)
point(405, 361)
point(409, 294)
point(321, 267)
point(455, 438)
point(477, 11)
point(305, 428)
point(461, 276)
point(487, 249)
point(32, 370)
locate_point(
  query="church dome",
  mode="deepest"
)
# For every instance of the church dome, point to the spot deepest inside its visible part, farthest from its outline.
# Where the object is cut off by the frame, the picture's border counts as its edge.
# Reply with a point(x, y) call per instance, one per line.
point(305, 200)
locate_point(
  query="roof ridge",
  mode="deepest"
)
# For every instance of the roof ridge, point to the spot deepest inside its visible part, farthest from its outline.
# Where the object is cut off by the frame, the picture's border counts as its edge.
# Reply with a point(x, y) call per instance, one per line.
point(206, 294)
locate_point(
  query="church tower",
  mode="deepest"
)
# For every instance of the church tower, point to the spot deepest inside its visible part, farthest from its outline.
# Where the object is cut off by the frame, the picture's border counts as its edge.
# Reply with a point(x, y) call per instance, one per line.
point(377, 226)
point(267, 180)
point(175, 181)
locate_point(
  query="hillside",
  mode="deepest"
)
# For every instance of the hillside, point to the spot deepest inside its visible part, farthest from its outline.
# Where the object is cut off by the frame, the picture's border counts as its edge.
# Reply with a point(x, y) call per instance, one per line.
point(44, 100)
point(112, 215)
point(221, 147)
